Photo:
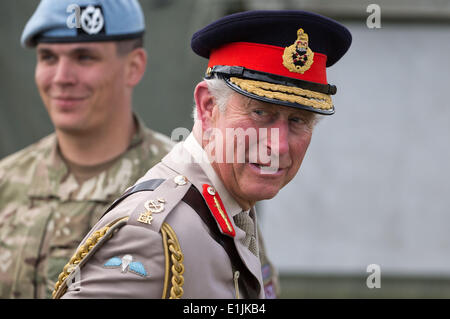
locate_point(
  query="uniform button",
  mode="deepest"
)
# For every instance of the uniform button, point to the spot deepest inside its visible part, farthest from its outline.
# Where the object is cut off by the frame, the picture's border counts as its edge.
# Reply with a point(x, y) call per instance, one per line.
point(180, 180)
point(211, 190)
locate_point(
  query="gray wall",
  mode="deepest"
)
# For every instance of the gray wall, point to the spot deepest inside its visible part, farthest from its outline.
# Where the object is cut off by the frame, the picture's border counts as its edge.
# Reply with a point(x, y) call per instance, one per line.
point(374, 187)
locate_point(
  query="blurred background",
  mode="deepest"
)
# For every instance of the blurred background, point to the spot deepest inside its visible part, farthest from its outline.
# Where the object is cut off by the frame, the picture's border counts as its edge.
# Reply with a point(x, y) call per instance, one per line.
point(374, 187)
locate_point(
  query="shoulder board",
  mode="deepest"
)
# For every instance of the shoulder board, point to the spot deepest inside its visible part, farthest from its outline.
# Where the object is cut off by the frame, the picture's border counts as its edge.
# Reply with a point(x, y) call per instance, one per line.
point(149, 185)
point(157, 204)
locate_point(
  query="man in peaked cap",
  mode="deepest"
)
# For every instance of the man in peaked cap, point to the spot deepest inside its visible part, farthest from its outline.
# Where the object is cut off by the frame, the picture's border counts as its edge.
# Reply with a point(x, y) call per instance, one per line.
point(187, 228)
point(89, 59)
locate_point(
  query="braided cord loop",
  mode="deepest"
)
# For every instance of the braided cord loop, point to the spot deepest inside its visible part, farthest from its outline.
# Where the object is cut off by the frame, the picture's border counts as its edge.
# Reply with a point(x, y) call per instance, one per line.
point(79, 255)
point(315, 100)
point(172, 245)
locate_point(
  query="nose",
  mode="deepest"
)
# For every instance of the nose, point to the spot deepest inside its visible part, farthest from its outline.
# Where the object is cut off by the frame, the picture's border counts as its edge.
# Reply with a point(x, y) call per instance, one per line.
point(278, 137)
point(64, 73)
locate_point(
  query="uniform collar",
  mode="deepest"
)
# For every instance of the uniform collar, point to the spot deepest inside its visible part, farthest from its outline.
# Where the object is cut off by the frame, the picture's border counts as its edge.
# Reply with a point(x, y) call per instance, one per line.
point(198, 153)
point(138, 136)
point(52, 177)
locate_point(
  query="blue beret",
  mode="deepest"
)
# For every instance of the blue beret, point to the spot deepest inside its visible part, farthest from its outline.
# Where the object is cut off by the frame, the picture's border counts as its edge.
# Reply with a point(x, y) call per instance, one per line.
point(278, 57)
point(62, 21)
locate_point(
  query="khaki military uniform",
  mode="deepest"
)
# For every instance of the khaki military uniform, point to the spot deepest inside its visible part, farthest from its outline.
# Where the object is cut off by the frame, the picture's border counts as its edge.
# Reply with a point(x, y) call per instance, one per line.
point(45, 212)
point(154, 242)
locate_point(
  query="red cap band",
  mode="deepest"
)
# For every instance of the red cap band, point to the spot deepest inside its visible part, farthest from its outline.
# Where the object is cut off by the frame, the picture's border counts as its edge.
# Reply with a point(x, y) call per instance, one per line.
point(266, 58)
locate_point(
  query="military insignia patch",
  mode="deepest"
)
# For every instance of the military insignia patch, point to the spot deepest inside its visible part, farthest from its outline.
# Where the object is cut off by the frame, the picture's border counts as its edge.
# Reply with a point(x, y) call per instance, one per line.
point(92, 20)
point(215, 204)
point(155, 205)
point(152, 206)
point(126, 263)
point(298, 57)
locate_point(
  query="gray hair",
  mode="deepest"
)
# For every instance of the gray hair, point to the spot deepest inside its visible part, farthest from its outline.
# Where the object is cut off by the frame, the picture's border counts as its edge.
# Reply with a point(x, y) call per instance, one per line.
point(221, 93)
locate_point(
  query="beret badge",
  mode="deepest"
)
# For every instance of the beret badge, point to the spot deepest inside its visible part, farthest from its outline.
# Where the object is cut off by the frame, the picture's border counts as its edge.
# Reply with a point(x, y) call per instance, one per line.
point(298, 57)
point(92, 20)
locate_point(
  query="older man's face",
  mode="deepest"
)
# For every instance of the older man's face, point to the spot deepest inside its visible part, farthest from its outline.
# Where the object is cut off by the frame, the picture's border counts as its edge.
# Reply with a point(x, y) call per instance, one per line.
point(81, 84)
point(289, 133)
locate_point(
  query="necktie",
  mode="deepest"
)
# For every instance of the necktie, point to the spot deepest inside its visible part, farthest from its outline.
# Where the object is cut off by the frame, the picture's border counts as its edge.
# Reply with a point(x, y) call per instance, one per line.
point(245, 222)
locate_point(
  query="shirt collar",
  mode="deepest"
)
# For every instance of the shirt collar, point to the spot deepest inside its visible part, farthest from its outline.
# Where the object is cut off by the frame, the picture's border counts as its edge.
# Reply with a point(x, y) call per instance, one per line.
point(138, 136)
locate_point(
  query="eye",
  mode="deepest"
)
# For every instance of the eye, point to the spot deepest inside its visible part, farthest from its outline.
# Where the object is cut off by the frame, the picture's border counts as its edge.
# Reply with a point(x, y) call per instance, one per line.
point(85, 58)
point(259, 112)
point(300, 123)
point(297, 120)
point(47, 58)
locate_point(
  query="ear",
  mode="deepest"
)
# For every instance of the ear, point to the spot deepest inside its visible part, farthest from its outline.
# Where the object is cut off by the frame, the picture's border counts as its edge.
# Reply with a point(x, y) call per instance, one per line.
point(136, 65)
point(205, 102)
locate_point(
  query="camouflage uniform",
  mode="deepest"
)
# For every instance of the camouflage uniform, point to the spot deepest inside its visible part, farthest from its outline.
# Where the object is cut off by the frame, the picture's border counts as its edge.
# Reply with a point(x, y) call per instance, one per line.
point(44, 212)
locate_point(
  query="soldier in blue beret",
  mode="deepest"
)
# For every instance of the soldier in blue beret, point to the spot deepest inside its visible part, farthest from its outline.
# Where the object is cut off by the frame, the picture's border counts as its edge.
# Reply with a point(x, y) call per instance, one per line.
point(90, 56)
point(188, 227)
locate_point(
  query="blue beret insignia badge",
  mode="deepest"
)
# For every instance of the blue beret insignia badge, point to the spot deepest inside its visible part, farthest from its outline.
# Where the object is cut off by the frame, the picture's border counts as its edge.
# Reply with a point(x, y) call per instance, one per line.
point(92, 20)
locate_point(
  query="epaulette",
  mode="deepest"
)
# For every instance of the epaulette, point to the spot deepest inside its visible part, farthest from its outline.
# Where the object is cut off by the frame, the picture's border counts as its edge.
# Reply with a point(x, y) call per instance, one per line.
point(142, 215)
point(152, 212)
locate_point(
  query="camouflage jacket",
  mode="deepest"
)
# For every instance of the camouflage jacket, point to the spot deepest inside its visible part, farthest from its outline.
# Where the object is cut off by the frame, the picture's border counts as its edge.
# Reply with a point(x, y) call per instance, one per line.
point(44, 212)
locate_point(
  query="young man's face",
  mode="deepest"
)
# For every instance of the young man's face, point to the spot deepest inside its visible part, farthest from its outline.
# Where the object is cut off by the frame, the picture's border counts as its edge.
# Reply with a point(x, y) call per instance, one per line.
point(81, 84)
point(289, 133)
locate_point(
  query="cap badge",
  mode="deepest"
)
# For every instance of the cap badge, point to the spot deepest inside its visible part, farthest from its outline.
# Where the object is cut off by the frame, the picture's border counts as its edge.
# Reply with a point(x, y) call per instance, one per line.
point(92, 20)
point(298, 57)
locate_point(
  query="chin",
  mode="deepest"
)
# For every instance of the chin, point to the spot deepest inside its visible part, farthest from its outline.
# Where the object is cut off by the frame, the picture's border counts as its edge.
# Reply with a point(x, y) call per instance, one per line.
point(68, 122)
point(259, 195)
point(70, 127)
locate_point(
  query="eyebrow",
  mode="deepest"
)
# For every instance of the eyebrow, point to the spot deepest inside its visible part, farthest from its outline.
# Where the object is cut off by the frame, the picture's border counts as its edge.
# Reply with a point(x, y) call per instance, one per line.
point(306, 115)
point(44, 51)
point(84, 50)
point(79, 50)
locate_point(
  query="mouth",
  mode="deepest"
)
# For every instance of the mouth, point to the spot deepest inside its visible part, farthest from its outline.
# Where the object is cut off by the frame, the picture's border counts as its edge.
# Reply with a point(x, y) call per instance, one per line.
point(266, 169)
point(67, 102)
